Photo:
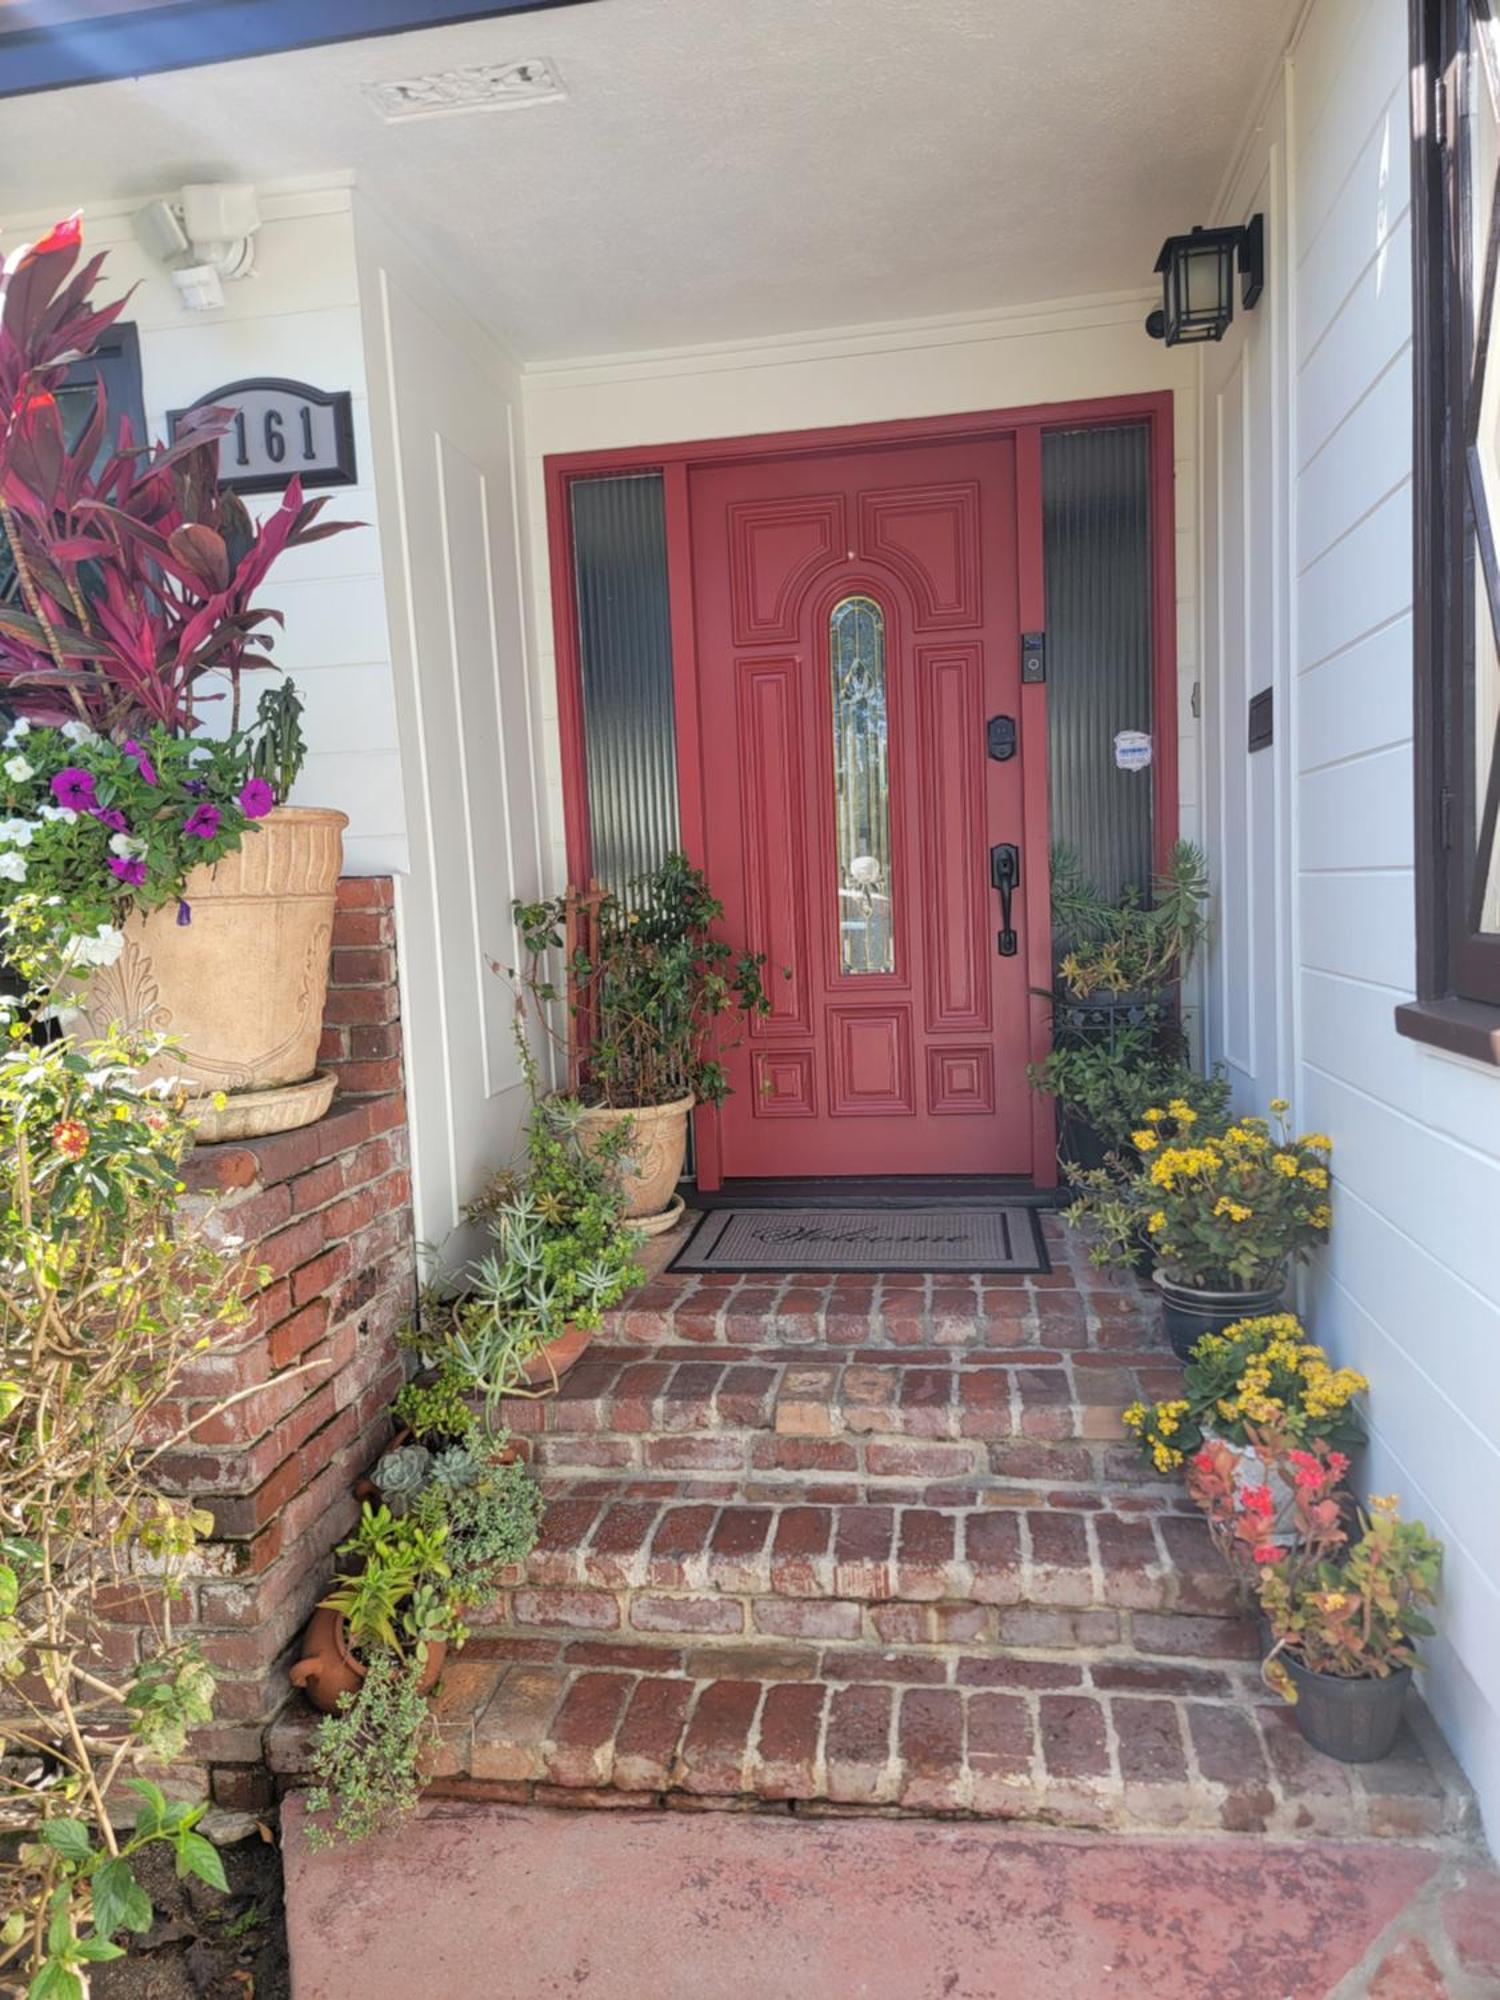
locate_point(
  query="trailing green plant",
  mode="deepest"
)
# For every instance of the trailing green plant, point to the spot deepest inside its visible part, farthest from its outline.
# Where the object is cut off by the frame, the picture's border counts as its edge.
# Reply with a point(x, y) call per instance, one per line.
point(408, 1579)
point(1111, 1086)
point(366, 1758)
point(650, 989)
point(108, 1288)
point(1135, 944)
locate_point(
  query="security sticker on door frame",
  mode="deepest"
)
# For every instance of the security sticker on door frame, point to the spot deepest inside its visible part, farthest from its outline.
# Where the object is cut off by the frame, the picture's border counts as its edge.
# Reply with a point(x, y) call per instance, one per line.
point(279, 428)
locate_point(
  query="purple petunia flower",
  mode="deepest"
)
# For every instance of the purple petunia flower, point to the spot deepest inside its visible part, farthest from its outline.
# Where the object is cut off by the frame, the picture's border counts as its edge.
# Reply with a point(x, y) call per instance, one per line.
point(202, 822)
point(184, 912)
point(74, 788)
point(113, 818)
point(128, 868)
point(143, 763)
point(256, 798)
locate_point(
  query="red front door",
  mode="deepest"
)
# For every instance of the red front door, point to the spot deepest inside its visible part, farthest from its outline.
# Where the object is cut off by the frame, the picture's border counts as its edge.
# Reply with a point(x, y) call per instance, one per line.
point(857, 629)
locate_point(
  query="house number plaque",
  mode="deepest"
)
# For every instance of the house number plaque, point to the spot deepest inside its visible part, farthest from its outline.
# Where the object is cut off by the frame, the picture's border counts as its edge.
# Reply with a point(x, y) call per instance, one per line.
point(280, 428)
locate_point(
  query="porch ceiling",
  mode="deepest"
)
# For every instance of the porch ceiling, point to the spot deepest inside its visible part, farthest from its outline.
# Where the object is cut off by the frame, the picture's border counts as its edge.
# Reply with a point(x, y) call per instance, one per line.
point(720, 170)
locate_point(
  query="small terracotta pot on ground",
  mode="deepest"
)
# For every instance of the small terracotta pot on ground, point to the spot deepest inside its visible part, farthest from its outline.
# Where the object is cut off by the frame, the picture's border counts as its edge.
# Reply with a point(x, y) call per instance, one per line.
point(241, 987)
point(658, 1148)
point(329, 1667)
point(1188, 1313)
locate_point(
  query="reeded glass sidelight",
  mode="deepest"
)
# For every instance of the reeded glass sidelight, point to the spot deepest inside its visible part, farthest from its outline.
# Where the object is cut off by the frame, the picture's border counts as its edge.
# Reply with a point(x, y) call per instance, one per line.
point(861, 785)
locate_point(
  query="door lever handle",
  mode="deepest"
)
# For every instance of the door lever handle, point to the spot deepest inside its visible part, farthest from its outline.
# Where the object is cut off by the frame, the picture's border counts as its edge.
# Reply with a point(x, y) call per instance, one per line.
point(1005, 876)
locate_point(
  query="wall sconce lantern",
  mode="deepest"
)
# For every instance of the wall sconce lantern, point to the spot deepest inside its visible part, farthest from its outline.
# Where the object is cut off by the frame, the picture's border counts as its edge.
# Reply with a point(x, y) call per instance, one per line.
point(1197, 281)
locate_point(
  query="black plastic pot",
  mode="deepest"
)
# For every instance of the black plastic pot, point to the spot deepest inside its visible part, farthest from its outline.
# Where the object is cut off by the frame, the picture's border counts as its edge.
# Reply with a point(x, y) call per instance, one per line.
point(1187, 1314)
point(1078, 1144)
point(1356, 1721)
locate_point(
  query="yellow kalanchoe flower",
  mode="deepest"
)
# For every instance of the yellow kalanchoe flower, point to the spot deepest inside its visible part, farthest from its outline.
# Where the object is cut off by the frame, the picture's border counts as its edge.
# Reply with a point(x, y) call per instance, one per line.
point(1144, 1140)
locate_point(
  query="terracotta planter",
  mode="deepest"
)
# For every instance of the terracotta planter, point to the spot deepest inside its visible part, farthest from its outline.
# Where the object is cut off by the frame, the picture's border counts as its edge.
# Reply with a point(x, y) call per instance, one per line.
point(553, 1361)
point(242, 986)
point(329, 1669)
point(658, 1148)
point(1188, 1313)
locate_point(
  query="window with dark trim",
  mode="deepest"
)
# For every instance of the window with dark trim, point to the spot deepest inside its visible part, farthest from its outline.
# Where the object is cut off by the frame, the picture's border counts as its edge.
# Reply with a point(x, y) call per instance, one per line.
point(1456, 252)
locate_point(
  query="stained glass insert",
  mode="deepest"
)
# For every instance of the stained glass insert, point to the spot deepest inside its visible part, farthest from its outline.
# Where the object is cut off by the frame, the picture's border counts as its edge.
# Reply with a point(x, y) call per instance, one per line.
point(861, 785)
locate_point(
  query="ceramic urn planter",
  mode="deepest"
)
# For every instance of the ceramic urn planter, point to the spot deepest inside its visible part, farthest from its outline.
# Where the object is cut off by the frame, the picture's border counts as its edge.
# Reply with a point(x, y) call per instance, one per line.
point(241, 985)
point(653, 1165)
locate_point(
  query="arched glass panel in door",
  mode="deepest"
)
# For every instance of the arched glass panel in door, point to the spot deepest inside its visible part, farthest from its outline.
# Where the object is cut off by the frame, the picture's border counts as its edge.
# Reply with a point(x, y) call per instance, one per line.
point(861, 785)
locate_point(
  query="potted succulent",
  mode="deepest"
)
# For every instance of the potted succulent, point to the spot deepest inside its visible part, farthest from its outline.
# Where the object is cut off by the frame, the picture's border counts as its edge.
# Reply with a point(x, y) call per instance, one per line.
point(650, 991)
point(1225, 1213)
point(449, 1522)
point(1122, 961)
point(194, 901)
point(515, 1318)
point(1344, 1613)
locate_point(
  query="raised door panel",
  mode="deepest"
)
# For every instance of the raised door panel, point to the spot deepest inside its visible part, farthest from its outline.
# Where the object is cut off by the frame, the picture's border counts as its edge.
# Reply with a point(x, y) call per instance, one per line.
point(930, 536)
point(954, 894)
point(869, 1049)
point(775, 548)
point(768, 715)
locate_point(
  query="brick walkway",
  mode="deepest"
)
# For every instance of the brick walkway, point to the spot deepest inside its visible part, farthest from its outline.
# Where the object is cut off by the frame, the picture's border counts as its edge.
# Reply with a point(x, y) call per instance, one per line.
point(494, 1904)
point(878, 1544)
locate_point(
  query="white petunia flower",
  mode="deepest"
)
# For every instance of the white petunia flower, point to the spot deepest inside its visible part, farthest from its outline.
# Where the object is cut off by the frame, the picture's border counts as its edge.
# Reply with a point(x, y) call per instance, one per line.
point(17, 769)
point(101, 947)
point(65, 813)
point(12, 867)
point(16, 832)
point(18, 729)
point(126, 846)
point(79, 732)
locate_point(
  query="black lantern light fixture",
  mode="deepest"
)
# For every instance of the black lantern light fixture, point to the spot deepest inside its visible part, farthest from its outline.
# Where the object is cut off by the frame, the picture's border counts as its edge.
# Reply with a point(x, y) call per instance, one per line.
point(1197, 281)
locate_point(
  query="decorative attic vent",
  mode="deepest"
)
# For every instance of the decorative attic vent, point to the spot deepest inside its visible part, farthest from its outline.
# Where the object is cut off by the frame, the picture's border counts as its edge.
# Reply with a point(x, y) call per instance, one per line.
point(484, 87)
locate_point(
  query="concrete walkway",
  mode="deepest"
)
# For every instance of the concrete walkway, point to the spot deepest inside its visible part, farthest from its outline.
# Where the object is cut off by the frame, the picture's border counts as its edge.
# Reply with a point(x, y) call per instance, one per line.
point(482, 1902)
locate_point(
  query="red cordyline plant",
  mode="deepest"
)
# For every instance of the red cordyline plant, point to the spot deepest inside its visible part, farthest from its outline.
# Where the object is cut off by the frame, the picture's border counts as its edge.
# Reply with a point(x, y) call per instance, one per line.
point(137, 570)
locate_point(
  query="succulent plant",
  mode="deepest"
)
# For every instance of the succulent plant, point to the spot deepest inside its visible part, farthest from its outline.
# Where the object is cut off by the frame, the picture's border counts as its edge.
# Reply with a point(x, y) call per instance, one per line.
point(457, 1469)
point(401, 1476)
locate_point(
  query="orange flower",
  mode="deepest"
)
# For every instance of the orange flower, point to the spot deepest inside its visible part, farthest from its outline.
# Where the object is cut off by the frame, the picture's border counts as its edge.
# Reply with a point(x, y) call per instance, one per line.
point(71, 1138)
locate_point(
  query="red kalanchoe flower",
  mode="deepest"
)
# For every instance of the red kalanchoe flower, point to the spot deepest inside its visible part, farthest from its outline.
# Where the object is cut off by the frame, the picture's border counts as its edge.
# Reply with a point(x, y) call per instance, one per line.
point(1259, 1500)
point(202, 822)
point(71, 1138)
point(1267, 1553)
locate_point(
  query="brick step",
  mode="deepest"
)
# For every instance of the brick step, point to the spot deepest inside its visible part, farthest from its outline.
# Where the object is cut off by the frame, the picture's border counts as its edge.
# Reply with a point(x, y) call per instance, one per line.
point(1097, 1744)
point(874, 1414)
point(1075, 1309)
point(1119, 1579)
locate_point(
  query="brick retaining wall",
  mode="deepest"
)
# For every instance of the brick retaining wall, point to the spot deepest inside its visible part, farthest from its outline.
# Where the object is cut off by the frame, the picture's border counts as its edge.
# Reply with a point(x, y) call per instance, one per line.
point(328, 1210)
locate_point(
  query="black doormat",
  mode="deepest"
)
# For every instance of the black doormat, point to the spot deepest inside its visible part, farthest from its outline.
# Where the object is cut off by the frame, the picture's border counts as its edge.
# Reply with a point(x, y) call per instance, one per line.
point(1000, 1237)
